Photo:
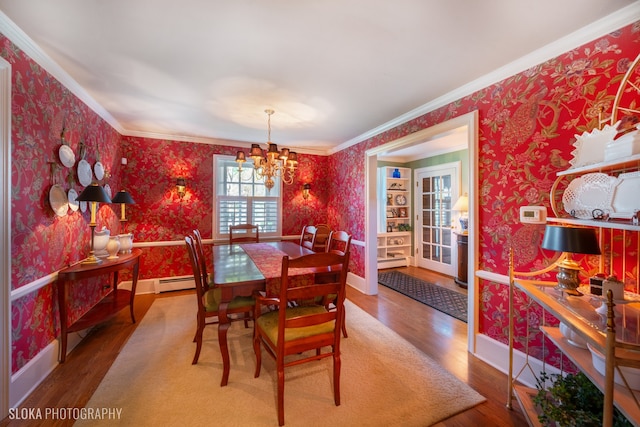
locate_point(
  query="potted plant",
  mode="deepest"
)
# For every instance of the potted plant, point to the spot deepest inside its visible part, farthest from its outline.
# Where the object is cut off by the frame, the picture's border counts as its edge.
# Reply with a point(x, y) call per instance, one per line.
point(571, 400)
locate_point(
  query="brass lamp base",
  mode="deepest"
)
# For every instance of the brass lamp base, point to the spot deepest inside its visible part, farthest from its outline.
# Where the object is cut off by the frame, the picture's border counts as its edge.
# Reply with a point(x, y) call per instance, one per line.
point(568, 280)
point(91, 259)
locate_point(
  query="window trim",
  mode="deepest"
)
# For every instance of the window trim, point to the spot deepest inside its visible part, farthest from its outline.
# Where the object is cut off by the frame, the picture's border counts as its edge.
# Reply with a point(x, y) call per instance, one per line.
point(215, 202)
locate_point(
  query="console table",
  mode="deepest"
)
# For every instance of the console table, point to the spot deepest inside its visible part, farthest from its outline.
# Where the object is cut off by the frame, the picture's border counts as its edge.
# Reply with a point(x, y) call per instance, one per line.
point(108, 306)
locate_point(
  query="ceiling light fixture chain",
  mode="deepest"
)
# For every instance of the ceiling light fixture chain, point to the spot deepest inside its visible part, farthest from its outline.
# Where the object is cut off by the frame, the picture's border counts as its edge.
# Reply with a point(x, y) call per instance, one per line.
point(272, 164)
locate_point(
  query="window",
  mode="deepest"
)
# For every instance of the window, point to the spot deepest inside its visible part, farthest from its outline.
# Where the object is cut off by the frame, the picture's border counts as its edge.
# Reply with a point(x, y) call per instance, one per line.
point(242, 198)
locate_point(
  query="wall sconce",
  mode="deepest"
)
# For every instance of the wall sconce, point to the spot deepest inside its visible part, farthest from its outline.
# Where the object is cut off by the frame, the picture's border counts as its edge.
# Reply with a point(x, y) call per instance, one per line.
point(181, 187)
point(305, 191)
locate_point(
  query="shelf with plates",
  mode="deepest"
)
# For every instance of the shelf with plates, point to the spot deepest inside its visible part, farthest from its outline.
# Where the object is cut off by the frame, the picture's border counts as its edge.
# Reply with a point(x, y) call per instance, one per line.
point(611, 337)
point(602, 195)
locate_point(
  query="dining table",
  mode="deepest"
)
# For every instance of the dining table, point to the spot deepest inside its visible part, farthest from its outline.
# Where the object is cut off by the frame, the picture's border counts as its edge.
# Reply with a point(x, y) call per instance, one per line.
point(241, 269)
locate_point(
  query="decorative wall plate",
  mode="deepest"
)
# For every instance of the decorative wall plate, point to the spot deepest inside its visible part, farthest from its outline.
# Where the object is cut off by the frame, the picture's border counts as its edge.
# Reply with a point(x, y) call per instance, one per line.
point(587, 193)
point(58, 200)
point(67, 157)
point(401, 200)
point(72, 195)
point(83, 206)
point(98, 170)
point(107, 189)
point(84, 173)
point(625, 199)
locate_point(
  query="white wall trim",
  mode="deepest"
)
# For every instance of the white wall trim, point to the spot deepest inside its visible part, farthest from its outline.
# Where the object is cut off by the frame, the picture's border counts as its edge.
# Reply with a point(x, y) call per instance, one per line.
point(609, 23)
point(496, 354)
point(5, 232)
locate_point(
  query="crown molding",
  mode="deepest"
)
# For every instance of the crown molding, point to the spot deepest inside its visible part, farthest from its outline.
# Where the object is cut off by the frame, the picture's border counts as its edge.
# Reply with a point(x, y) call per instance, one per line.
point(609, 23)
point(213, 141)
point(29, 47)
point(599, 28)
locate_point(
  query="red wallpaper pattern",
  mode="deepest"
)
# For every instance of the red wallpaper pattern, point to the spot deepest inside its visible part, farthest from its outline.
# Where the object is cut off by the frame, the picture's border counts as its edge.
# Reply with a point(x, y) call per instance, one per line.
point(527, 124)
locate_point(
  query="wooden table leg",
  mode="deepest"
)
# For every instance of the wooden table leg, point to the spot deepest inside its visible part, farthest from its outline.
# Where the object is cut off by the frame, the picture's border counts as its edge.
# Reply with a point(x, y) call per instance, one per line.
point(223, 326)
point(134, 284)
point(62, 310)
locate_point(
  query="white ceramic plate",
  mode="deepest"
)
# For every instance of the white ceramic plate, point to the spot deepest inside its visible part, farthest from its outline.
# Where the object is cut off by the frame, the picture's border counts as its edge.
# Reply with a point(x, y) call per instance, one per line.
point(107, 189)
point(587, 193)
point(84, 173)
point(98, 171)
point(72, 195)
point(58, 200)
point(67, 157)
point(83, 206)
point(625, 199)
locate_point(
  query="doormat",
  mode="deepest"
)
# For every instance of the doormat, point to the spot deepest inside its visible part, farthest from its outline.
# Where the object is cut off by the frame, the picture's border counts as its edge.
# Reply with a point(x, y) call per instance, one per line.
point(442, 299)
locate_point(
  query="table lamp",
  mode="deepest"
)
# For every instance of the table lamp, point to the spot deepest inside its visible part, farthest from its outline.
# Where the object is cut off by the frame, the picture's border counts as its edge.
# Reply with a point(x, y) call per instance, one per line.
point(570, 240)
point(93, 194)
point(462, 206)
point(124, 198)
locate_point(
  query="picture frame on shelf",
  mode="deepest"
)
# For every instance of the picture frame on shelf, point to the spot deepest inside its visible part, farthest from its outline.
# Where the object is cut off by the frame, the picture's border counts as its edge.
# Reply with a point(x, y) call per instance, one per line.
point(402, 212)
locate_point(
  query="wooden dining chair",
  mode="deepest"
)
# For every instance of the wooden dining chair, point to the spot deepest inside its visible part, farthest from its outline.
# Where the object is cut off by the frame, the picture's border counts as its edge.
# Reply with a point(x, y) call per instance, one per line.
point(308, 236)
point(209, 300)
point(295, 328)
point(339, 242)
point(322, 237)
point(197, 238)
point(244, 233)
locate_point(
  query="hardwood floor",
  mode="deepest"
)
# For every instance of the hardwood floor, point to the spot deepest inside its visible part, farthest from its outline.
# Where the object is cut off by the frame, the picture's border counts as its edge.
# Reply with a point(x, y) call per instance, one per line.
point(438, 335)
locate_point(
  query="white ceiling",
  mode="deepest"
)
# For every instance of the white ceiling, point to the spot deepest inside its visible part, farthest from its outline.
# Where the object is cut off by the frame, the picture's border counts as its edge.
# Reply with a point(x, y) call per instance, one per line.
point(335, 71)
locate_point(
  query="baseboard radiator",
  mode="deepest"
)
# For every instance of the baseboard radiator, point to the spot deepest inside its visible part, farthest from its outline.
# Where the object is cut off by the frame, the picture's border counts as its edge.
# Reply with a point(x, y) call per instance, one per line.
point(174, 284)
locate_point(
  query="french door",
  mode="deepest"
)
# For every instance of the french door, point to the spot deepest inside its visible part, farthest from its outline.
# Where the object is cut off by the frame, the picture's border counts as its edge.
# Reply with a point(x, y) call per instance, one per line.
point(436, 189)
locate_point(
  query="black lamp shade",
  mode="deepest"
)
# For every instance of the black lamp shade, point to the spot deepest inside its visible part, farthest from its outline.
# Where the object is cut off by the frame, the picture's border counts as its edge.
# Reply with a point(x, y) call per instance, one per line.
point(578, 240)
point(123, 197)
point(94, 193)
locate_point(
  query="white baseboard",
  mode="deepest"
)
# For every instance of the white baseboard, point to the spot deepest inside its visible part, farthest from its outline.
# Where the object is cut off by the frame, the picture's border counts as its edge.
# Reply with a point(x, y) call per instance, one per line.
point(496, 354)
point(356, 282)
point(37, 369)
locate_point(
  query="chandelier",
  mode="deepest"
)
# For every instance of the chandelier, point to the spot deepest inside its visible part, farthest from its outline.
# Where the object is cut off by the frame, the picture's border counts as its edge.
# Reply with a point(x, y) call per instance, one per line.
point(272, 164)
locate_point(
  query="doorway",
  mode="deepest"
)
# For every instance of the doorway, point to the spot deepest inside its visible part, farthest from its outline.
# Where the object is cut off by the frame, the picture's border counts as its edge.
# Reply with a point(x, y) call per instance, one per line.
point(5, 232)
point(436, 188)
point(469, 125)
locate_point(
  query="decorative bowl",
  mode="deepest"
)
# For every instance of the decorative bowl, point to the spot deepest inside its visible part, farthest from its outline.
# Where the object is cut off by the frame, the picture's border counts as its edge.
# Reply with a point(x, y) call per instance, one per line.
point(572, 338)
point(632, 375)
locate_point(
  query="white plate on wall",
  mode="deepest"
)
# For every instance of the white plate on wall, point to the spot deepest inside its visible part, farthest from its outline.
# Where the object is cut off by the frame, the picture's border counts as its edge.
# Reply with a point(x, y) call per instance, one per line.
point(72, 195)
point(107, 189)
point(58, 200)
point(83, 206)
point(67, 156)
point(85, 174)
point(98, 170)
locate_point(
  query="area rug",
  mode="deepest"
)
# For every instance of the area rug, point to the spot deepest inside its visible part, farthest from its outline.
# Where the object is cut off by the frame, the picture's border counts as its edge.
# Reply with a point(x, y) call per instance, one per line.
point(385, 380)
point(442, 299)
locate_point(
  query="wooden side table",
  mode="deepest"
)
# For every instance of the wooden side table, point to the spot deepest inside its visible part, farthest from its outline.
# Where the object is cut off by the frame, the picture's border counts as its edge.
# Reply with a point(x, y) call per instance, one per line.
point(463, 255)
point(108, 306)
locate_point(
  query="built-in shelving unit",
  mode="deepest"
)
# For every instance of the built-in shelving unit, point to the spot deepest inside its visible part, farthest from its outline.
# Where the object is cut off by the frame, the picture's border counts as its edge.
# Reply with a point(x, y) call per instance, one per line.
point(394, 214)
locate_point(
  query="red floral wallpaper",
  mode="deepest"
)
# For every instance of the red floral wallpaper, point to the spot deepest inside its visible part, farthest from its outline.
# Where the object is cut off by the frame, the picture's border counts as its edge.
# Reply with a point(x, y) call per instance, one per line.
point(527, 126)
